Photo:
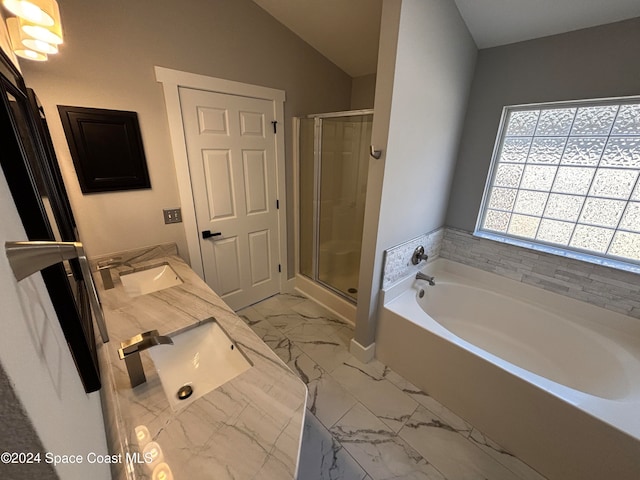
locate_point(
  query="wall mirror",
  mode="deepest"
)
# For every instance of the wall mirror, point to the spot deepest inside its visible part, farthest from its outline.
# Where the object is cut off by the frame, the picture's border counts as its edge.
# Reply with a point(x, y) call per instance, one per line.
point(34, 179)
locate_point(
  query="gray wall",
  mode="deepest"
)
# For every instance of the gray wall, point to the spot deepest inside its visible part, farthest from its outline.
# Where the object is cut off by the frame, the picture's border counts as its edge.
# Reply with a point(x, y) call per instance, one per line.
point(434, 64)
point(107, 61)
point(591, 63)
point(367, 288)
point(363, 92)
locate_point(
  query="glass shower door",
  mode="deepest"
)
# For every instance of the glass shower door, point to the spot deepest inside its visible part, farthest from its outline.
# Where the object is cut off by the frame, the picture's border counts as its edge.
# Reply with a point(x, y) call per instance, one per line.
point(333, 168)
point(344, 161)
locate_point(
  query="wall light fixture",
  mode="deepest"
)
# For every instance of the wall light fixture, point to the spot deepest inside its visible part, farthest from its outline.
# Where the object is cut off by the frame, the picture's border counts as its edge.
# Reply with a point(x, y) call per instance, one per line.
point(15, 36)
point(40, 12)
point(37, 30)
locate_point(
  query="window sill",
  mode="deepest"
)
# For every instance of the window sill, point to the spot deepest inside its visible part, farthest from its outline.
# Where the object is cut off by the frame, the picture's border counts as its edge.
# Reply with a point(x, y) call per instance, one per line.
point(584, 257)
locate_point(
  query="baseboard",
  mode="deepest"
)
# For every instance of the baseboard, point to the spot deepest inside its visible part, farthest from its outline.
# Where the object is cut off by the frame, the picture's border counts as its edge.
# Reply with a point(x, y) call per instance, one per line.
point(364, 354)
point(289, 286)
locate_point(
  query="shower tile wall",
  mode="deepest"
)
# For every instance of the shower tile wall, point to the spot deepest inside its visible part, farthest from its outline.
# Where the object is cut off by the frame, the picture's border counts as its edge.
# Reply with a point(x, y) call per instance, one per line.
point(602, 286)
point(397, 260)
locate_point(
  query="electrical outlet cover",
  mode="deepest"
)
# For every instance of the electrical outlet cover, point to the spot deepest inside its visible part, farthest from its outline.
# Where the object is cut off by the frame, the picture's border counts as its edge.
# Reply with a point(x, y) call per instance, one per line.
point(172, 215)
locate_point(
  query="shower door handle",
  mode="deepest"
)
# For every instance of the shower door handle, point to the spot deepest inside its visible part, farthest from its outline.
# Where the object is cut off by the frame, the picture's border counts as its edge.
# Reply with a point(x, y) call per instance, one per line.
point(207, 234)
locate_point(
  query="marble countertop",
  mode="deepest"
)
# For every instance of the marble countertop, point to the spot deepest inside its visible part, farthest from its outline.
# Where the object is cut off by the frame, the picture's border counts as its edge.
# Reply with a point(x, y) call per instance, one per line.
point(250, 427)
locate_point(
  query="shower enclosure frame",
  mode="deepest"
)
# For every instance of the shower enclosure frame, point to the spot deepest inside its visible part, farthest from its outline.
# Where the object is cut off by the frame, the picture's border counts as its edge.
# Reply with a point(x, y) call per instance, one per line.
point(348, 313)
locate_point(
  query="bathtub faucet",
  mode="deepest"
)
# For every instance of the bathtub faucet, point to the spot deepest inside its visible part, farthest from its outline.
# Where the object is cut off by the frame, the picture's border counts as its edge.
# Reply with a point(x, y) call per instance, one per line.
point(422, 276)
point(419, 255)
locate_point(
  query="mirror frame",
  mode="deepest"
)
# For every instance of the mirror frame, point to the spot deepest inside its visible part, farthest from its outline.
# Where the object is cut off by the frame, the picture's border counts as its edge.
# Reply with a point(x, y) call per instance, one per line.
point(74, 317)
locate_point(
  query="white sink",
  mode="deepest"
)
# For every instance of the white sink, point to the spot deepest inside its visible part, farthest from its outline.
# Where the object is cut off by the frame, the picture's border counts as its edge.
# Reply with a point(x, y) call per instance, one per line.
point(149, 280)
point(202, 357)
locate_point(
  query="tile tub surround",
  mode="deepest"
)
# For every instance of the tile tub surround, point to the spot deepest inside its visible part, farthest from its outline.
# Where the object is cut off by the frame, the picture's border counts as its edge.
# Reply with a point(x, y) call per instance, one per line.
point(251, 427)
point(604, 287)
point(366, 422)
point(397, 260)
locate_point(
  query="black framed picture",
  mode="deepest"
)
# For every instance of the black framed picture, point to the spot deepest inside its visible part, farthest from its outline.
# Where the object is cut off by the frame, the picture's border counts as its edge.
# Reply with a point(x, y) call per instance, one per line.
point(106, 148)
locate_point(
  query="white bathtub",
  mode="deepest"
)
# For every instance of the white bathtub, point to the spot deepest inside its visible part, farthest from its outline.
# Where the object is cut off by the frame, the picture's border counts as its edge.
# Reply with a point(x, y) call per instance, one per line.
point(554, 380)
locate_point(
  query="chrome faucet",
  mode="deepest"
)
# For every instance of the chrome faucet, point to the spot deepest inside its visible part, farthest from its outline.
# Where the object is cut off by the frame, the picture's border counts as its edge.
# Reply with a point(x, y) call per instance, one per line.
point(130, 353)
point(26, 258)
point(430, 280)
point(104, 268)
point(419, 255)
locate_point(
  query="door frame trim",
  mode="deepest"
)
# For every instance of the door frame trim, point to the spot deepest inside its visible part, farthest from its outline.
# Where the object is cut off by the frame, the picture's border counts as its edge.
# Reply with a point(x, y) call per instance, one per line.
point(171, 81)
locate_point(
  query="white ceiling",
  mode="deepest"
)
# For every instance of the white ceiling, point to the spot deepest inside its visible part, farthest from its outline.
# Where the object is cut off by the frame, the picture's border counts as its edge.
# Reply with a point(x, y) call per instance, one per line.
point(499, 22)
point(347, 31)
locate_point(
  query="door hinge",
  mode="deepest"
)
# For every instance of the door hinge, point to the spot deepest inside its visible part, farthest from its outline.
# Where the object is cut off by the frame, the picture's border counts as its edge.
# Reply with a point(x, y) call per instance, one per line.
point(279, 268)
point(277, 204)
point(275, 123)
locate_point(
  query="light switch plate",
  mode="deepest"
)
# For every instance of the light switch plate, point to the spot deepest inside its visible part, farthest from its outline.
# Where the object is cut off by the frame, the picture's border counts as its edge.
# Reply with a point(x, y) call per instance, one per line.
point(172, 215)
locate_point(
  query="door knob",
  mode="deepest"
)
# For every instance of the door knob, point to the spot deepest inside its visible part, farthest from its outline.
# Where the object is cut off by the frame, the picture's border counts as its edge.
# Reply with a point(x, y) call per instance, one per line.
point(208, 234)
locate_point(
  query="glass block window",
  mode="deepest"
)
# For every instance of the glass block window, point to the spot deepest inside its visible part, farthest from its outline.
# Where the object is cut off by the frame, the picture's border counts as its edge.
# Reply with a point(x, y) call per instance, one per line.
point(565, 177)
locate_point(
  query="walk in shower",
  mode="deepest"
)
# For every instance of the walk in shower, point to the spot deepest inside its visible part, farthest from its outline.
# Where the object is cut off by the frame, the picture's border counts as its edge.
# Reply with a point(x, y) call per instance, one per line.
point(333, 163)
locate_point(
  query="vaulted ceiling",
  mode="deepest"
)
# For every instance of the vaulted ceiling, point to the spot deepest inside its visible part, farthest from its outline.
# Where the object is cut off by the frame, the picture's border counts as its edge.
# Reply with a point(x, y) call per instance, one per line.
point(347, 31)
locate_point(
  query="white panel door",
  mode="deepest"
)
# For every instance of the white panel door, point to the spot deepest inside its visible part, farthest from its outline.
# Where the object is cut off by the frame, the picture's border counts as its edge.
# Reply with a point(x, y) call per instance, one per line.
point(232, 161)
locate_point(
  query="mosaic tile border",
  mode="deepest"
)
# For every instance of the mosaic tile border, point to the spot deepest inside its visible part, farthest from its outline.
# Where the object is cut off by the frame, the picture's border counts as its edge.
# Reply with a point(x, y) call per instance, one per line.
point(605, 287)
point(397, 260)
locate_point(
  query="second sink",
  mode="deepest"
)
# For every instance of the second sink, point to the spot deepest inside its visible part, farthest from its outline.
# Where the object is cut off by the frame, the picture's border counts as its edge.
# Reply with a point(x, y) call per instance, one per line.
point(149, 280)
point(201, 358)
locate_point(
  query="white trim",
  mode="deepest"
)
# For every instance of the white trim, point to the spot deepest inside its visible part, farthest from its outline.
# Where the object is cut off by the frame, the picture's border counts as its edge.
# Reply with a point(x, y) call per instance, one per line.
point(183, 177)
point(289, 285)
point(346, 113)
point(278, 105)
point(364, 354)
point(171, 81)
point(220, 85)
point(296, 191)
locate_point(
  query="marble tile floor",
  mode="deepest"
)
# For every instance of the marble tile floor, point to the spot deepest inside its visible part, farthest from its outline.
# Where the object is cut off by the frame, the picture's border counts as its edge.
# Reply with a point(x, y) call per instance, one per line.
point(364, 421)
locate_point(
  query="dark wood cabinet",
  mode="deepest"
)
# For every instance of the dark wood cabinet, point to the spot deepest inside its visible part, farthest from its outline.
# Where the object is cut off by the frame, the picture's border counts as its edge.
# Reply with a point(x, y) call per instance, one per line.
point(106, 147)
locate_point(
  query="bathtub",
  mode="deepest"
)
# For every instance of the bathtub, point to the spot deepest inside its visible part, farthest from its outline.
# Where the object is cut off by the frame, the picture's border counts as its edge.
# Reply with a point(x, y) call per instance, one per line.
point(553, 380)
